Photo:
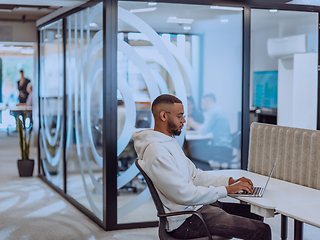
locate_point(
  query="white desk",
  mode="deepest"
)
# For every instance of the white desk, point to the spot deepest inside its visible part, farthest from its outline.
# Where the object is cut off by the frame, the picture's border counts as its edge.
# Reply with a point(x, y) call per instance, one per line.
point(291, 200)
point(16, 108)
point(195, 135)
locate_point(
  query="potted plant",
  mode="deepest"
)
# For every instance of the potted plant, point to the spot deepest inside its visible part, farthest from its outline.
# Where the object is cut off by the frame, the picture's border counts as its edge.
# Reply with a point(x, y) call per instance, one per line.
point(25, 165)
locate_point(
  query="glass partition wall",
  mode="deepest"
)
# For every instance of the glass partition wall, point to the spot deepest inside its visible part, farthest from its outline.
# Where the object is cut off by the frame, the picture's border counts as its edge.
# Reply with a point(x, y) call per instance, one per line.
point(284, 74)
point(98, 80)
point(185, 50)
point(84, 107)
point(51, 102)
point(71, 66)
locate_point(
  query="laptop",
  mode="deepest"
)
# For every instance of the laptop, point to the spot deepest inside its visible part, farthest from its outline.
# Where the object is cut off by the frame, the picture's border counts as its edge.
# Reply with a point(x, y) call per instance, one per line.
point(256, 191)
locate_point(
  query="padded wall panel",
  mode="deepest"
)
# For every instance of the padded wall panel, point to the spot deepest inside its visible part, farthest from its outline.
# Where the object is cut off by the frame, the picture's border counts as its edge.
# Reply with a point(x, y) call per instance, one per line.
point(296, 159)
point(253, 147)
point(314, 165)
point(287, 166)
point(297, 150)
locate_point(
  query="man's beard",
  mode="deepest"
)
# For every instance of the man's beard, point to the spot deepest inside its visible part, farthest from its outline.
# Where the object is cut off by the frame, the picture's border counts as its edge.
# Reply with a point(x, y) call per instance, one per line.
point(174, 129)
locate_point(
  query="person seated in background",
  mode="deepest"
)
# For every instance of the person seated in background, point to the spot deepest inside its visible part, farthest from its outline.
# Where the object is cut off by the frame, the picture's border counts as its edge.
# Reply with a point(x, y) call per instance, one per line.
point(193, 112)
point(182, 187)
point(121, 117)
point(215, 122)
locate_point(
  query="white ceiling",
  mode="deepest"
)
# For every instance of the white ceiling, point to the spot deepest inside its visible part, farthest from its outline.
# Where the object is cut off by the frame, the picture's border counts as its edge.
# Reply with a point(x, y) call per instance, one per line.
point(263, 19)
point(157, 19)
point(305, 2)
point(33, 9)
point(214, 18)
point(57, 3)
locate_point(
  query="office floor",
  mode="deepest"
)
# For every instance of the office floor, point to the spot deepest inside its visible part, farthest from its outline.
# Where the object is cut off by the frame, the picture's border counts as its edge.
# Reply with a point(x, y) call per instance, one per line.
point(30, 210)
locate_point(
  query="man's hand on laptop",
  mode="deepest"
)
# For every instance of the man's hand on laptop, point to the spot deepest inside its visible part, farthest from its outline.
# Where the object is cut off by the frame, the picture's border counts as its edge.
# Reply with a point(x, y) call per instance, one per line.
point(242, 179)
point(239, 185)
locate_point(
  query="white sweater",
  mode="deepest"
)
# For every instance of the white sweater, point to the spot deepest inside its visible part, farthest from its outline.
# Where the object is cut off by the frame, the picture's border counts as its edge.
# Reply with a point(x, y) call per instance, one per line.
point(180, 185)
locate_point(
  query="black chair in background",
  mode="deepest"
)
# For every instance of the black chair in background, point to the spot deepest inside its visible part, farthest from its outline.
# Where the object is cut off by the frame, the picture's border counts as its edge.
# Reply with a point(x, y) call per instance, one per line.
point(163, 234)
point(207, 156)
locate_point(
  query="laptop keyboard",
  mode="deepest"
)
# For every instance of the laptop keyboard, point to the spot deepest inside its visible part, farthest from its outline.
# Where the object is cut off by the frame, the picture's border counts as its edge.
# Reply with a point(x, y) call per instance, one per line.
point(255, 191)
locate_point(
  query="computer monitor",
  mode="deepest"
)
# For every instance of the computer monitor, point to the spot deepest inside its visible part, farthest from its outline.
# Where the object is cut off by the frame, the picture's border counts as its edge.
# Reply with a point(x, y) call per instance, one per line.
point(265, 89)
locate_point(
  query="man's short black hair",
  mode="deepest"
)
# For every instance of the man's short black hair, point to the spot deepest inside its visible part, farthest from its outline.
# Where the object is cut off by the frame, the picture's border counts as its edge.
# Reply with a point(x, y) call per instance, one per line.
point(165, 98)
point(21, 71)
point(211, 96)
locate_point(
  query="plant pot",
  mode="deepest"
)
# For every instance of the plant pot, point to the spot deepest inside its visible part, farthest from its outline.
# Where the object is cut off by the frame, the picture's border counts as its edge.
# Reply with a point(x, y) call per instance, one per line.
point(25, 167)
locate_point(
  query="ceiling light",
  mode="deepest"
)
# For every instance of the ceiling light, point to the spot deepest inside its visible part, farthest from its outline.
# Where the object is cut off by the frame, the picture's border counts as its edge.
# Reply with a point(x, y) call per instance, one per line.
point(224, 20)
point(273, 10)
point(152, 3)
point(6, 8)
point(187, 28)
point(227, 8)
point(43, 9)
point(179, 20)
point(93, 24)
point(143, 10)
point(27, 8)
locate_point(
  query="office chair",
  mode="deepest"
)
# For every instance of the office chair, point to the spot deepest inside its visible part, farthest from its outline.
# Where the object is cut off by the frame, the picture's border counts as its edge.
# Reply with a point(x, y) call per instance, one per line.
point(143, 122)
point(163, 234)
point(228, 158)
point(236, 140)
point(207, 157)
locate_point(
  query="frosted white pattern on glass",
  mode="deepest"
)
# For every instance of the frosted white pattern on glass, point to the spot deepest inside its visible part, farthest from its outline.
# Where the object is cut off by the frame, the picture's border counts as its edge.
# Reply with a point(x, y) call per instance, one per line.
point(51, 93)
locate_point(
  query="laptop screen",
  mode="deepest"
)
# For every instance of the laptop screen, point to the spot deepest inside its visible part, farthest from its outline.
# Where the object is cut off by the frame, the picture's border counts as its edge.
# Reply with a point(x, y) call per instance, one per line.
point(274, 165)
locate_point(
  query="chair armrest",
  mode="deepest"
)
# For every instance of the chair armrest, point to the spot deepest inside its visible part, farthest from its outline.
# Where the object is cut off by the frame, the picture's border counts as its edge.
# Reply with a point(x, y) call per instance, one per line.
point(198, 214)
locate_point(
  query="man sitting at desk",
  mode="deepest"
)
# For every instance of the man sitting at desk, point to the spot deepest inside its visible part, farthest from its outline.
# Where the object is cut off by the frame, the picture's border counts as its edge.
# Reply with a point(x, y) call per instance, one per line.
point(215, 122)
point(182, 187)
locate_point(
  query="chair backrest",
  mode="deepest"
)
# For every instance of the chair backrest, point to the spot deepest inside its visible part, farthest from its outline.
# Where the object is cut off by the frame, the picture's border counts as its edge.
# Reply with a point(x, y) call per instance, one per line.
point(152, 189)
point(157, 201)
point(236, 140)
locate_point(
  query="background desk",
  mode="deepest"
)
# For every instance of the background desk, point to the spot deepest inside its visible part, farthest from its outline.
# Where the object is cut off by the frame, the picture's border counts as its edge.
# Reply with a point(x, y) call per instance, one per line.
point(15, 110)
point(291, 200)
point(192, 135)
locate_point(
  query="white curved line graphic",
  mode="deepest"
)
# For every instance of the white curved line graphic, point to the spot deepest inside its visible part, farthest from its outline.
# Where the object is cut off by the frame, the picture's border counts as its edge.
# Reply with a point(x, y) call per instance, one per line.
point(130, 120)
point(134, 204)
point(174, 70)
point(127, 176)
point(57, 157)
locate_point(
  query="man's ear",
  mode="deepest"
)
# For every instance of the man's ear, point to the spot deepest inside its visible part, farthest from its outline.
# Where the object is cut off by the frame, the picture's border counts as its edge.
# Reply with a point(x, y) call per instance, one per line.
point(162, 116)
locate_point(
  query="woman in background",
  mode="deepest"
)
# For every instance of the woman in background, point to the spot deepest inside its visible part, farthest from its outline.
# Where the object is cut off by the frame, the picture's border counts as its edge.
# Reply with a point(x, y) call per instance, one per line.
point(22, 87)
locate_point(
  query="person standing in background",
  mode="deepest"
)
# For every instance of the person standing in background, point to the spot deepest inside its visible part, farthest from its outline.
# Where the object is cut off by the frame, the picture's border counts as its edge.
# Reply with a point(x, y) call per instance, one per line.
point(22, 87)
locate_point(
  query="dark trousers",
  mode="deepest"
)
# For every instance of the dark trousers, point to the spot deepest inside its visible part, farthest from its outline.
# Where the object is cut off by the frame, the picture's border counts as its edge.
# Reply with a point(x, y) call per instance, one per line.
point(227, 220)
